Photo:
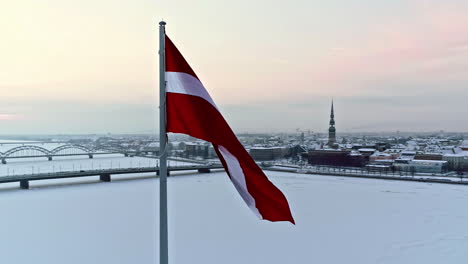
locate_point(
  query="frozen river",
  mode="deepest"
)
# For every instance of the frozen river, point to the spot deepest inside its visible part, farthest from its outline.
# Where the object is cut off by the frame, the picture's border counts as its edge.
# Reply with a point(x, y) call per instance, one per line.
point(339, 220)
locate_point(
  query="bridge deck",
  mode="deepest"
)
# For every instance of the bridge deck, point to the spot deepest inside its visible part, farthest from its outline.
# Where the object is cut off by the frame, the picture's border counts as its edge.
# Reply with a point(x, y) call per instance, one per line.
point(108, 172)
point(105, 174)
point(67, 155)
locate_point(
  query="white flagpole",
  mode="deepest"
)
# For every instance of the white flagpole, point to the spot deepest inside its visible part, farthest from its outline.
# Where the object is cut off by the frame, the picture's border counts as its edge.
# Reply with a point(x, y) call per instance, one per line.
point(163, 234)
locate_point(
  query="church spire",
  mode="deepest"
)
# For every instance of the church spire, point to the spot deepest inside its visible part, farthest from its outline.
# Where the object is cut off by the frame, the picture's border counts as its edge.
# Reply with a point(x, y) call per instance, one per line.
point(332, 115)
point(332, 130)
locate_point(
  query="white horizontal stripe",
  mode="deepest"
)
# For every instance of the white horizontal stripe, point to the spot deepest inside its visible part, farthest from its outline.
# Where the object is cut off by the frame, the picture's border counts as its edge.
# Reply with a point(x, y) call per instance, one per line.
point(238, 179)
point(183, 83)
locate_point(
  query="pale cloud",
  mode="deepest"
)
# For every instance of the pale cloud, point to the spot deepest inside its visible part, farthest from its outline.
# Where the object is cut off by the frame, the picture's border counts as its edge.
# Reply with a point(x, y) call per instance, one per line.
point(431, 44)
point(87, 64)
point(8, 117)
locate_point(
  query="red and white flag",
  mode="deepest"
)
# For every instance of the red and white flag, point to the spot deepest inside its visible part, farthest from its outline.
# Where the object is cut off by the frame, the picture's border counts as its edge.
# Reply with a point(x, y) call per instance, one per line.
point(191, 111)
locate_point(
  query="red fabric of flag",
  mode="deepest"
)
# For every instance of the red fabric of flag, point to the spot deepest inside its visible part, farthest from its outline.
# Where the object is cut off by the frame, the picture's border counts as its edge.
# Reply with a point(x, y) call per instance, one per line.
point(192, 111)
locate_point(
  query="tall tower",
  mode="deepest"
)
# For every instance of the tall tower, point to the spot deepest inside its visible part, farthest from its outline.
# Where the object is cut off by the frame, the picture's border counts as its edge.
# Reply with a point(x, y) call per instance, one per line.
point(332, 130)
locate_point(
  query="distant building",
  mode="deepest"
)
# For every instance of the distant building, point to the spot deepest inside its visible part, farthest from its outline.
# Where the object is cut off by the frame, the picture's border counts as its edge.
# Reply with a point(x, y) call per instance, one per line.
point(428, 156)
point(366, 151)
point(382, 146)
point(458, 160)
point(277, 152)
point(464, 145)
point(332, 129)
point(151, 148)
point(407, 155)
point(382, 156)
point(269, 153)
point(199, 149)
point(336, 158)
point(427, 166)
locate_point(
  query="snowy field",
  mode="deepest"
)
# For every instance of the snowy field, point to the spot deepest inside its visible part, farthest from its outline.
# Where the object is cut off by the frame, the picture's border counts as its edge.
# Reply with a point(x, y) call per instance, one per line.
point(339, 220)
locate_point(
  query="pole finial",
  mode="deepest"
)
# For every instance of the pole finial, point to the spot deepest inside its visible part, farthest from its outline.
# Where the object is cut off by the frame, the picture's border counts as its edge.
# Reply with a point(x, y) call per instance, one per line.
point(162, 23)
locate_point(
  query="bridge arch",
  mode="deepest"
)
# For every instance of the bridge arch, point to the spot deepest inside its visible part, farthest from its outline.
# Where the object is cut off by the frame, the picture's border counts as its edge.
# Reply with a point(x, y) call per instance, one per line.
point(59, 149)
point(31, 148)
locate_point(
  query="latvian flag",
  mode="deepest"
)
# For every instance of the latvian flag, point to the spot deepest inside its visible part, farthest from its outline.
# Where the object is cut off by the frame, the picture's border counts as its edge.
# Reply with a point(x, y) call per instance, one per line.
point(191, 111)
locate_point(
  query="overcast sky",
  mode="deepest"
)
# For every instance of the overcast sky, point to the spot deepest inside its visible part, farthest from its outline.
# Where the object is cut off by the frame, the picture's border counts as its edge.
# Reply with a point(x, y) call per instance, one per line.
point(90, 66)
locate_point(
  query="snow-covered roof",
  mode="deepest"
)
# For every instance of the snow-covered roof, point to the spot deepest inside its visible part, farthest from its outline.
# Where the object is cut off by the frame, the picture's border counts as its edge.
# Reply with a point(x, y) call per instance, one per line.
point(267, 147)
point(393, 150)
point(377, 166)
point(153, 145)
point(385, 160)
point(194, 143)
point(380, 154)
point(366, 149)
point(429, 161)
point(459, 154)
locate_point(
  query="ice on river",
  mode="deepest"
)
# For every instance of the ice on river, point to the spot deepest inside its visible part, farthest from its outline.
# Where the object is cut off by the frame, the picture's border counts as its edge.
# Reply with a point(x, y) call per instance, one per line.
point(339, 220)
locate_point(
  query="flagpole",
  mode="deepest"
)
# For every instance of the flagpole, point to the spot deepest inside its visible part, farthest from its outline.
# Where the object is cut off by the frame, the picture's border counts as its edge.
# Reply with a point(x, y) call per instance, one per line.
point(163, 234)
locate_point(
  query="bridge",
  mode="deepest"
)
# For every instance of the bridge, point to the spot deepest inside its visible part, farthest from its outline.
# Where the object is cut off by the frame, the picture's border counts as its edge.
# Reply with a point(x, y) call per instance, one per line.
point(104, 174)
point(32, 142)
point(34, 151)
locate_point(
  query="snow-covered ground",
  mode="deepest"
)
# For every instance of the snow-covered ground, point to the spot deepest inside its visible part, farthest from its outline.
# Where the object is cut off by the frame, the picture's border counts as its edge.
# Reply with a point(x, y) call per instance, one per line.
point(339, 220)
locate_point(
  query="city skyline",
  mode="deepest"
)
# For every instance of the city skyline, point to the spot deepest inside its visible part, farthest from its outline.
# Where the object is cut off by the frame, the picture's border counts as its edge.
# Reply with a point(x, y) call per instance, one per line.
point(390, 66)
point(211, 131)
